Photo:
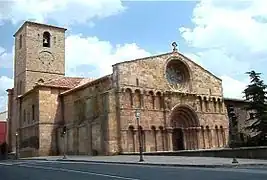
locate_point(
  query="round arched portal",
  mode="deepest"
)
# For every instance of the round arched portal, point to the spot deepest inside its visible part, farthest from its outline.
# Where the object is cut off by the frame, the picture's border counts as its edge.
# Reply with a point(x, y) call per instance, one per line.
point(184, 122)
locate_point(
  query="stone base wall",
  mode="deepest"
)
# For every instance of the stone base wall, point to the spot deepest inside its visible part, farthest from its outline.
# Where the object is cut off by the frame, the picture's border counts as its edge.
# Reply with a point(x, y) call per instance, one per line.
point(244, 152)
point(48, 140)
point(28, 152)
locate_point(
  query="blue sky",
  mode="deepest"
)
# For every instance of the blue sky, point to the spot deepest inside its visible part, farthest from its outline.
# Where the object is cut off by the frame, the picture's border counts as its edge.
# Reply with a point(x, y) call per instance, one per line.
point(224, 37)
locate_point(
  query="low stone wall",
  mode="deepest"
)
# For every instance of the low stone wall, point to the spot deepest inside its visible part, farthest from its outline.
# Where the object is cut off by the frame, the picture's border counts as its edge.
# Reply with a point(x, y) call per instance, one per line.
point(244, 152)
point(28, 152)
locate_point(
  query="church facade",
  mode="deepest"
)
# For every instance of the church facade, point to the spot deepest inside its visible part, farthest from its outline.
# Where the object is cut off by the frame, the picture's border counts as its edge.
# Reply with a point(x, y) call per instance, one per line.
point(181, 104)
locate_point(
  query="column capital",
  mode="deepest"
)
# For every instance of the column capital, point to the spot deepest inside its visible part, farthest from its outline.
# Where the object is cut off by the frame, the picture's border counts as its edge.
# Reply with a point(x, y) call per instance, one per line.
point(169, 129)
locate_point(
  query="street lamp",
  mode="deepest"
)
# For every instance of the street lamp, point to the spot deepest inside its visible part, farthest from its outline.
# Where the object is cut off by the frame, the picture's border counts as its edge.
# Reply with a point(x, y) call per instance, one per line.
point(233, 119)
point(64, 146)
point(16, 145)
point(137, 115)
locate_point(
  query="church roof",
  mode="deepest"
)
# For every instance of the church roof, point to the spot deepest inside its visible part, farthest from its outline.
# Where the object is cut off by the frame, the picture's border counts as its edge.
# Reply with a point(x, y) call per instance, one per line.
point(85, 84)
point(66, 82)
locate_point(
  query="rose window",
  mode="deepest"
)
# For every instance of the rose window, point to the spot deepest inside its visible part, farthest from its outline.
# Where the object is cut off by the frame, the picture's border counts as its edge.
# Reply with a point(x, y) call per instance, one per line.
point(176, 73)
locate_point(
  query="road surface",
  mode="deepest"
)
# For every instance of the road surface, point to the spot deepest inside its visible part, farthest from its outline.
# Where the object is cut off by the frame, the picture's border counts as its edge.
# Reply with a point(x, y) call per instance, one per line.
point(53, 170)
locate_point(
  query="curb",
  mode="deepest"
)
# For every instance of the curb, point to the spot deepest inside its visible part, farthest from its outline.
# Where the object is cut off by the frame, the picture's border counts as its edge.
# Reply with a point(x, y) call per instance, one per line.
point(156, 164)
point(34, 159)
point(143, 163)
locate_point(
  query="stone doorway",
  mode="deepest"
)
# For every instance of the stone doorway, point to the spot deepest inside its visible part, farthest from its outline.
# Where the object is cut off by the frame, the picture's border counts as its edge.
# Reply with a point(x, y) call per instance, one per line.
point(178, 139)
point(185, 123)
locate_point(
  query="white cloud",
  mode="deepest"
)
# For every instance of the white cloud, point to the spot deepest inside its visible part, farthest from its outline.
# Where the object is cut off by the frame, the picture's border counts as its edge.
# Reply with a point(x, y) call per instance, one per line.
point(5, 83)
point(229, 38)
point(233, 88)
point(85, 56)
point(6, 58)
point(82, 51)
point(64, 12)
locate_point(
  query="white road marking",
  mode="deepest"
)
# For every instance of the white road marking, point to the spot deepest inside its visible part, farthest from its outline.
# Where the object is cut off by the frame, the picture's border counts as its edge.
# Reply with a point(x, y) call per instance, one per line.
point(220, 169)
point(77, 171)
point(6, 164)
point(10, 163)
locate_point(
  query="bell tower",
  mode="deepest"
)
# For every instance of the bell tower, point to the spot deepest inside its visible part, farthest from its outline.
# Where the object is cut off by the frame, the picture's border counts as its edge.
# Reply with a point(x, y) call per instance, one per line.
point(39, 55)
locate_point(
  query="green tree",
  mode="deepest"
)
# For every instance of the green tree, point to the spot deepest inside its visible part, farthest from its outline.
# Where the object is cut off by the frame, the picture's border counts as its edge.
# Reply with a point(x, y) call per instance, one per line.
point(255, 94)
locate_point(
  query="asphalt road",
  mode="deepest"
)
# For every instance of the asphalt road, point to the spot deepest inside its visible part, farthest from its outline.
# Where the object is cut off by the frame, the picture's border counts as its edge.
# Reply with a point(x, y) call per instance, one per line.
point(41, 170)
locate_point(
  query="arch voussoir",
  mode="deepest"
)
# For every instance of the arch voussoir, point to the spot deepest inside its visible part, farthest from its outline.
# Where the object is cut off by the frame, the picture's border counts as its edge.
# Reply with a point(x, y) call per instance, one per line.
point(183, 120)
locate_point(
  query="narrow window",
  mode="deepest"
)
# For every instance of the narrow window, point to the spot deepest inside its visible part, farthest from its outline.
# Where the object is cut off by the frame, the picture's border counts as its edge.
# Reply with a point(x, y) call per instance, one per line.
point(28, 117)
point(46, 39)
point(24, 116)
point(20, 87)
point(33, 112)
point(55, 40)
point(20, 41)
point(137, 82)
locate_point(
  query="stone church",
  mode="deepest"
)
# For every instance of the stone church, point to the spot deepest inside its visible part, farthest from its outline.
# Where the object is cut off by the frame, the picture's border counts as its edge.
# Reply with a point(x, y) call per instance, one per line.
point(181, 104)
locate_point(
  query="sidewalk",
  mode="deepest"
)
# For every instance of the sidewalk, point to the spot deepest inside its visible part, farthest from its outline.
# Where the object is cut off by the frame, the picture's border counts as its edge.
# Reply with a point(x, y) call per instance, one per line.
point(159, 160)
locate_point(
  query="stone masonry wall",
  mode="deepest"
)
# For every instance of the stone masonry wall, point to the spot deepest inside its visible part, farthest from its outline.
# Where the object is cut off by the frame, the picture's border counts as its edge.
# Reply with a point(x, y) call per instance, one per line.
point(86, 116)
point(49, 119)
point(29, 68)
point(142, 84)
point(150, 73)
point(29, 65)
point(34, 43)
point(28, 124)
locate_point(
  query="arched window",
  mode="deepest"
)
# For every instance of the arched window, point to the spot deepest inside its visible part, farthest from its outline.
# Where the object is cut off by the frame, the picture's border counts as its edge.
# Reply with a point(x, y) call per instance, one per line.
point(203, 136)
point(158, 101)
point(137, 82)
point(46, 39)
point(137, 99)
point(150, 99)
point(128, 98)
point(217, 136)
point(143, 138)
point(162, 138)
point(154, 135)
point(131, 139)
point(209, 136)
point(223, 135)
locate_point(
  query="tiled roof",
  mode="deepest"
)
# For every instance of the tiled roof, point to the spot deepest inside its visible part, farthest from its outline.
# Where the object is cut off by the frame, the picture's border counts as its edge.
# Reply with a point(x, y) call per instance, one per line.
point(66, 82)
point(85, 83)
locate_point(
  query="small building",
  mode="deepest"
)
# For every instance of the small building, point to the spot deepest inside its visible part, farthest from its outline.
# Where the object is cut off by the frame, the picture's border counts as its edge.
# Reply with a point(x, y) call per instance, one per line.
point(3, 127)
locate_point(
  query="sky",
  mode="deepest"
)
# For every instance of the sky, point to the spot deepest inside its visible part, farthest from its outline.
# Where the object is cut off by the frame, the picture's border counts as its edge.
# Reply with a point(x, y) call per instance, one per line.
point(226, 37)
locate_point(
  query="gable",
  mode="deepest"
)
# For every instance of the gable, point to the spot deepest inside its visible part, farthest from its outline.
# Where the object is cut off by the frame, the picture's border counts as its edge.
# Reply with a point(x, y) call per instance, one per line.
point(150, 72)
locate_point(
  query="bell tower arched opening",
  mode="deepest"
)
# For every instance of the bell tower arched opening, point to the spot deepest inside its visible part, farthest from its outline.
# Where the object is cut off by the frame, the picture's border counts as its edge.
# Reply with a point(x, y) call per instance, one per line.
point(184, 122)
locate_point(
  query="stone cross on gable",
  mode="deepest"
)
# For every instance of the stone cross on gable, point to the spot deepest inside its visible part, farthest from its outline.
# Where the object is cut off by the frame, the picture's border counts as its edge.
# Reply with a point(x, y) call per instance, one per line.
point(174, 45)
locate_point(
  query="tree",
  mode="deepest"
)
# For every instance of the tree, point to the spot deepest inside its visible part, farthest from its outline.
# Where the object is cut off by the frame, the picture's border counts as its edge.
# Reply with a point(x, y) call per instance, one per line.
point(255, 95)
